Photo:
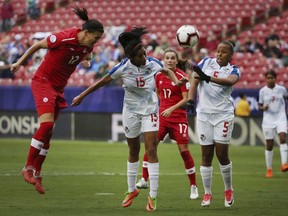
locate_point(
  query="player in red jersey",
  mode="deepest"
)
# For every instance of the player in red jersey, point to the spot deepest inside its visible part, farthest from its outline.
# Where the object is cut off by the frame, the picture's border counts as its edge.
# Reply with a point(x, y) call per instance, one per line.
point(66, 49)
point(173, 119)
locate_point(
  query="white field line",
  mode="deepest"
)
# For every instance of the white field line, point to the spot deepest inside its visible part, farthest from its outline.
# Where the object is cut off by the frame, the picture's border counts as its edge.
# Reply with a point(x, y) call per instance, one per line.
point(120, 174)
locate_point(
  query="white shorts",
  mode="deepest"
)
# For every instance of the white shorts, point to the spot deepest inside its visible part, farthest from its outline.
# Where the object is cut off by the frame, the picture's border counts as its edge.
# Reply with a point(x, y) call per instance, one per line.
point(269, 133)
point(134, 124)
point(214, 127)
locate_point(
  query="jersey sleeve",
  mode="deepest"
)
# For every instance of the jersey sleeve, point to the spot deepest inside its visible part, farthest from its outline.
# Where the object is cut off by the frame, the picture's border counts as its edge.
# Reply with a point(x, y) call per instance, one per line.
point(116, 71)
point(261, 99)
point(54, 40)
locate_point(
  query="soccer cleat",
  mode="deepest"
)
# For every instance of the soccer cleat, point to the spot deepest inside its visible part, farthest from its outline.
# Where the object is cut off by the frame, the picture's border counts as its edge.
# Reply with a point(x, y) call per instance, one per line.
point(28, 176)
point(38, 185)
point(206, 200)
point(229, 198)
point(129, 198)
point(284, 167)
point(142, 184)
point(269, 173)
point(194, 192)
point(152, 204)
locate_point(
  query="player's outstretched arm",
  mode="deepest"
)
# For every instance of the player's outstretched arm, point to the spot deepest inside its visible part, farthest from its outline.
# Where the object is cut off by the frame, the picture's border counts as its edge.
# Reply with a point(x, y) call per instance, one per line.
point(102, 82)
point(35, 47)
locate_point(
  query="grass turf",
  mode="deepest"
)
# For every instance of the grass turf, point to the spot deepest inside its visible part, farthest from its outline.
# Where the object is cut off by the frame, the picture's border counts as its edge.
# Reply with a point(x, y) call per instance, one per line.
point(89, 178)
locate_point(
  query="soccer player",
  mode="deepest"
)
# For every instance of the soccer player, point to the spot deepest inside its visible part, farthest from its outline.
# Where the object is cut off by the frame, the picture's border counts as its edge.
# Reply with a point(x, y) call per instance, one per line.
point(214, 79)
point(140, 110)
point(173, 119)
point(272, 103)
point(66, 49)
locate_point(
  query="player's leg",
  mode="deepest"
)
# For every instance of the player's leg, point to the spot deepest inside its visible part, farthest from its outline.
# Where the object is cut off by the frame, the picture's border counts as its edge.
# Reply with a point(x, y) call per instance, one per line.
point(269, 134)
point(132, 125)
point(179, 132)
point(206, 139)
point(283, 151)
point(143, 182)
point(150, 127)
point(190, 169)
point(282, 132)
point(41, 136)
point(206, 170)
point(222, 136)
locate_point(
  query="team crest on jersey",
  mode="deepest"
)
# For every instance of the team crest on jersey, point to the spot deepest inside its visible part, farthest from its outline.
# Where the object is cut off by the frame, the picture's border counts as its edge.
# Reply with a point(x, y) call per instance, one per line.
point(173, 84)
point(52, 38)
point(45, 99)
point(148, 70)
point(84, 50)
point(202, 137)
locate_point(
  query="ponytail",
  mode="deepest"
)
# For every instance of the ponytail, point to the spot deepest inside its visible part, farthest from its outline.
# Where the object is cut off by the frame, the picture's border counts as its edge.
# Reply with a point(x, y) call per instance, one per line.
point(92, 25)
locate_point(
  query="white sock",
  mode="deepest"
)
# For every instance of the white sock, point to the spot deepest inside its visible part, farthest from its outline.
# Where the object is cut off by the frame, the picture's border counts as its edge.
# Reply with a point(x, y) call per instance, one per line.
point(268, 158)
point(153, 170)
point(283, 153)
point(132, 170)
point(226, 171)
point(206, 175)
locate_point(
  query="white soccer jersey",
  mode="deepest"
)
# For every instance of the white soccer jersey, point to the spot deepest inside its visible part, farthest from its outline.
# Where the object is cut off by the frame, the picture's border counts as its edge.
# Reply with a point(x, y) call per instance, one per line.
point(139, 85)
point(275, 98)
point(212, 97)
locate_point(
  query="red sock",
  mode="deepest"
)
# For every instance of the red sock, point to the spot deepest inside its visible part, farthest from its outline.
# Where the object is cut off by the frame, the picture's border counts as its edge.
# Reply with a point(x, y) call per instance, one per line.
point(42, 135)
point(40, 159)
point(189, 165)
point(33, 152)
point(145, 174)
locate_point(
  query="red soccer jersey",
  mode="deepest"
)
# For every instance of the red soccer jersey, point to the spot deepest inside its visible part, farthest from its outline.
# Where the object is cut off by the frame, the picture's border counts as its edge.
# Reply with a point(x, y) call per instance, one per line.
point(64, 54)
point(170, 94)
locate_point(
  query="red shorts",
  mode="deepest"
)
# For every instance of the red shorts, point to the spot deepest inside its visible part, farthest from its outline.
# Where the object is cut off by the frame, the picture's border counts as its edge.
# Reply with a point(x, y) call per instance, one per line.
point(47, 98)
point(177, 131)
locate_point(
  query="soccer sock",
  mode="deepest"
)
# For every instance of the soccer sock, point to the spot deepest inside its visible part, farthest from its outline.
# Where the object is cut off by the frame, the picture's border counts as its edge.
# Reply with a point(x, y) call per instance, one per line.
point(40, 159)
point(145, 173)
point(283, 153)
point(206, 175)
point(153, 170)
point(226, 171)
point(268, 158)
point(189, 166)
point(132, 170)
point(41, 136)
point(34, 150)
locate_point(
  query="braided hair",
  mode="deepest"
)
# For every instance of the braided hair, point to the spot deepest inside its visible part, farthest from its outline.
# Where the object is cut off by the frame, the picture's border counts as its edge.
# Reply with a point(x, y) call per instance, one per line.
point(132, 40)
point(92, 25)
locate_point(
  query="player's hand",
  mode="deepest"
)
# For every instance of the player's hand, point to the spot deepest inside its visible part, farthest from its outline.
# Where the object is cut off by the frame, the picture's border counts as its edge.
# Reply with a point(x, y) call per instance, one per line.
point(201, 74)
point(190, 105)
point(182, 81)
point(86, 64)
point(14, 67)
point(77, 100)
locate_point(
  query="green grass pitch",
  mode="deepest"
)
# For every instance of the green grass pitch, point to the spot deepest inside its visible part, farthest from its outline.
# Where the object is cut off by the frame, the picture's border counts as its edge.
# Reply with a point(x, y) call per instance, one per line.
point(89, 178)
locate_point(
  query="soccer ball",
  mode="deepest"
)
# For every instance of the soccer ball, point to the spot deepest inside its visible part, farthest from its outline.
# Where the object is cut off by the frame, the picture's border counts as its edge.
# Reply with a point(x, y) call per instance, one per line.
point(187, 36)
